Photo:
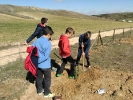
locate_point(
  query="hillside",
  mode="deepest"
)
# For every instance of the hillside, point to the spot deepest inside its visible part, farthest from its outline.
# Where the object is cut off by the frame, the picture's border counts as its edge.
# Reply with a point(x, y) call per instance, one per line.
point(117, 16)
point(18, 23)
point(15, 11)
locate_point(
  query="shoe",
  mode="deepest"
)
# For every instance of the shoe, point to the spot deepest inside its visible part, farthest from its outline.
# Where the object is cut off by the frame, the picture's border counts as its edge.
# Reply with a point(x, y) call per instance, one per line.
point(58, 75)
point(71, 77)
point(41, 92)
point(50, 95)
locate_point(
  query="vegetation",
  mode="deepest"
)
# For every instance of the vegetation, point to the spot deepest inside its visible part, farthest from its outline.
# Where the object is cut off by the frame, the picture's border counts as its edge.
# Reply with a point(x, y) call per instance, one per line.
point(17, 30)
point(117, 16)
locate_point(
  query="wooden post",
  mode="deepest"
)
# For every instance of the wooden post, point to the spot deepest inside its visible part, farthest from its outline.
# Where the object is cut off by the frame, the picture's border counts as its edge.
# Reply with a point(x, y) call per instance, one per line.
point(123, 32)
point(100, 38)
point(113, 35)
point(83, 56)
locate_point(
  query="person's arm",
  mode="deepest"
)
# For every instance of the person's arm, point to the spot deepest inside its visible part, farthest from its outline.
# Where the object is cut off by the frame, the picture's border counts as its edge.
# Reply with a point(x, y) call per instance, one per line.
point(88, 46)
point(36, 32)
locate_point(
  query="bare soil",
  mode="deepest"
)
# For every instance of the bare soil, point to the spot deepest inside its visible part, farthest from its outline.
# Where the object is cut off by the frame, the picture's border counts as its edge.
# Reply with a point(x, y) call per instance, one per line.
point(118, 86)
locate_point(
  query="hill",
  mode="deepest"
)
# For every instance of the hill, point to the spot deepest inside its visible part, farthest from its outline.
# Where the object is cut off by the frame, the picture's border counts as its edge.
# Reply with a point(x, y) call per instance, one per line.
point(19, 22)
point(15, 11)
point(117, 16)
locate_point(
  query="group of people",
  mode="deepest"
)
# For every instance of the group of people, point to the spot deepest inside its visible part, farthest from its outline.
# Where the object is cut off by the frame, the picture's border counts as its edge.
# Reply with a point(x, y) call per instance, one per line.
point(43, 32)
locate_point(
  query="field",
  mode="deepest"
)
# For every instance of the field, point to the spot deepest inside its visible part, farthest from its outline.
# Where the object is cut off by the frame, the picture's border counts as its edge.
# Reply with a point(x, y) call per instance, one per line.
point(111, 62)
point(15, 30)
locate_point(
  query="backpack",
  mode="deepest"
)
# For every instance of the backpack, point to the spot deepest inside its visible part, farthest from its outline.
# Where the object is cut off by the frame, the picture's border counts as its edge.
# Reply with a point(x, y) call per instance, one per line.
point(31, 61)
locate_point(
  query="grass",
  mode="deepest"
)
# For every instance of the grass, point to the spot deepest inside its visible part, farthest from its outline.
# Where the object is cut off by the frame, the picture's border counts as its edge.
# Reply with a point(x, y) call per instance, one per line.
point(12, 81)
point(17, 30)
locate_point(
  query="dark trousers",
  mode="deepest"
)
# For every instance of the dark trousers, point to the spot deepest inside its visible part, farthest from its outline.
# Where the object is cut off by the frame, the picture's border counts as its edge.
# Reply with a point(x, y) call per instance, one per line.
point(79, 56)
point(71, 61)
point(43, 81)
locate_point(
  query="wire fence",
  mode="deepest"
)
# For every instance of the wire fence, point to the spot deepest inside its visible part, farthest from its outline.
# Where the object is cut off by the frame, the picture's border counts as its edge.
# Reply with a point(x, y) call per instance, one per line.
point(19, 51)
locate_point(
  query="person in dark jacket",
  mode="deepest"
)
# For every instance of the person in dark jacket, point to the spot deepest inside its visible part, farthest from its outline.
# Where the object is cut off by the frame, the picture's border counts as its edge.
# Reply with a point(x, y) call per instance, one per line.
point(44, 62)
point(64, 50)
point(38, 31)
point(84, 42)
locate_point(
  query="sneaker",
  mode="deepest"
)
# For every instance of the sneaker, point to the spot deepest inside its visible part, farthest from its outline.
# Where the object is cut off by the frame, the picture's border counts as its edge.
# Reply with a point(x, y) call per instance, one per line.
point(71, 77)
point(41, 92)
point(50, 95)
point(58, 75)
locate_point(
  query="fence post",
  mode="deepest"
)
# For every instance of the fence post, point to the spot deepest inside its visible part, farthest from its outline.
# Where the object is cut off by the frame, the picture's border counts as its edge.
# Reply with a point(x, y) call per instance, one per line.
point(100, 38)
point(114, 35)
point(123, 32)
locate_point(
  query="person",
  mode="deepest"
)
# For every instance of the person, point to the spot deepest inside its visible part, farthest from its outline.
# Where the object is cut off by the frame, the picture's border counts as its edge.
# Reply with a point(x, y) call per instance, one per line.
point(43, 45)
point(65, 53)
point(38, 31)
point(84, 44)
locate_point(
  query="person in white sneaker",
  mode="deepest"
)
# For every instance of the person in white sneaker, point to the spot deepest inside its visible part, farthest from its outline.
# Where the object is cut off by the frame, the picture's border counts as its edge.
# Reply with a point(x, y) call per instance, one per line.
point(43, 45)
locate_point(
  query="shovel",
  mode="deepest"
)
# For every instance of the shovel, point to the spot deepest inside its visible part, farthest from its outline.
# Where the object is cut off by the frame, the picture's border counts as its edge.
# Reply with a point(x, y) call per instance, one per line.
point(83, 56)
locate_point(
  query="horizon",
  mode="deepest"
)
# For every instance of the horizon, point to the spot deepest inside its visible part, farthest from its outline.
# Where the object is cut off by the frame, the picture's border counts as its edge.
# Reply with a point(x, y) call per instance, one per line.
point(68, 10)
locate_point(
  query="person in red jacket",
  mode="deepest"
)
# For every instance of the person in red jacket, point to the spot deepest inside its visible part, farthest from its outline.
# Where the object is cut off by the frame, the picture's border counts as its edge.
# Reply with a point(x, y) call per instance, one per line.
point(65, 53)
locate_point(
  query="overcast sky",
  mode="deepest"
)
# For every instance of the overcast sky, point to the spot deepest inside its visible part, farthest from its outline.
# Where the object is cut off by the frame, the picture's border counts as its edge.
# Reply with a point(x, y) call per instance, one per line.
point(89, 7)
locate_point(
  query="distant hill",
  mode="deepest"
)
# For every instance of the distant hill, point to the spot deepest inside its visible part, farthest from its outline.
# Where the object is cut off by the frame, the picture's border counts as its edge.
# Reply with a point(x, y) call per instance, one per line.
point(14, 11)
point(117, 16)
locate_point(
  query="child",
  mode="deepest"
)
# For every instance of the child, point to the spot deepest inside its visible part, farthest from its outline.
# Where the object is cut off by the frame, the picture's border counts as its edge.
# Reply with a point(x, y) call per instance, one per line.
point(84, 42)
point(64, 50)
point(44, 62)
point(38, 31)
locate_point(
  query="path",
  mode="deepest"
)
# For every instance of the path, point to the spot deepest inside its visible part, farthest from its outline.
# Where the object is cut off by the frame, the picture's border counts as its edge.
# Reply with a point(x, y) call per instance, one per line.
point(14, 53)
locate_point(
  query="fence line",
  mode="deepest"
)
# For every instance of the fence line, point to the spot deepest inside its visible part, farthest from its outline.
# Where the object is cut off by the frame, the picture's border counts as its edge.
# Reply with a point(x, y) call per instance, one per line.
point(5, 59)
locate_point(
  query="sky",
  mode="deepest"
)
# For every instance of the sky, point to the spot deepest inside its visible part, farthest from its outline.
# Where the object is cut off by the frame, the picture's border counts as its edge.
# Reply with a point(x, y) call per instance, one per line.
point(88, 7)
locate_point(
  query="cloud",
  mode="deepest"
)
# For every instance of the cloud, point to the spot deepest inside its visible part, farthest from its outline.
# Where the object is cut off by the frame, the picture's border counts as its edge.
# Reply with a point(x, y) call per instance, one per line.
point(59, 0)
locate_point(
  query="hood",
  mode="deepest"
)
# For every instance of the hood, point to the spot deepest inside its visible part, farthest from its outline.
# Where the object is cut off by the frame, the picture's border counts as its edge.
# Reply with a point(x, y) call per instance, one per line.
point(63, 37)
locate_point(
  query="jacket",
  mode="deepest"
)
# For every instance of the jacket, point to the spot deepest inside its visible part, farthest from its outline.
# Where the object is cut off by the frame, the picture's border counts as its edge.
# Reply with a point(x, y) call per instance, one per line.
point(64, 46)
point(37, 33)
point(86, 42)
point(31, 61)
point(44, 49)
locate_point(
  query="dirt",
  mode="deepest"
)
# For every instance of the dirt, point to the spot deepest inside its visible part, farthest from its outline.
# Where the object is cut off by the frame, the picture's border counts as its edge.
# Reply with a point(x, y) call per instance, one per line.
point(117, 85)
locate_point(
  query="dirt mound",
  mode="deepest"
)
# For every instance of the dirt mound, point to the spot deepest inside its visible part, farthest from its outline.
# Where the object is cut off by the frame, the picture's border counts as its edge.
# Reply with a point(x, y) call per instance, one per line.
point(118, 86)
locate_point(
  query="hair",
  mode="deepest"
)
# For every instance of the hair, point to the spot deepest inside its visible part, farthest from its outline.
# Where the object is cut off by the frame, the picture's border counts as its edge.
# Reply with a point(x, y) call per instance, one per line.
point(47, 30)
point(70, 30)
point(44, 20)
point(88, 33)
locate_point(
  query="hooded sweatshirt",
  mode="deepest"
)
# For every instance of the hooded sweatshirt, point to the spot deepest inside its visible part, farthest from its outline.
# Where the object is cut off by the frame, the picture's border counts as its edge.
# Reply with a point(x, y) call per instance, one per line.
point(37, 33)
point(64, 46)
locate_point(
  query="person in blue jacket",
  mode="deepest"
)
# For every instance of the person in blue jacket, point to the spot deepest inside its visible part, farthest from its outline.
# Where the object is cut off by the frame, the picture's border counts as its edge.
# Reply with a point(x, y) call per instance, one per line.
point(38, 31)
point(84, 43)
point(43, 45)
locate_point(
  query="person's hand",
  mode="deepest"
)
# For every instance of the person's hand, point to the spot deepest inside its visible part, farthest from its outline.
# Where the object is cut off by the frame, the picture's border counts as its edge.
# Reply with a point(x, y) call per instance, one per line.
point(83, 54)
point(82, 45)
point(25, 43)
